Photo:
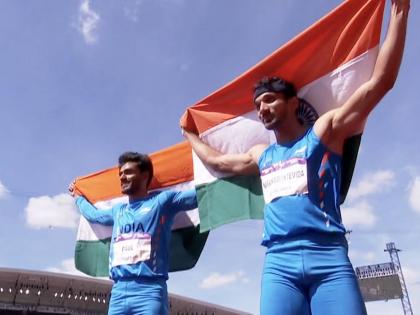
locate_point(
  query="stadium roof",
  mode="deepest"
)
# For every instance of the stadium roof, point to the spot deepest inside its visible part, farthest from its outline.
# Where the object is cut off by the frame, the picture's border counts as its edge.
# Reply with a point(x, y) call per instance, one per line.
point(47, 292)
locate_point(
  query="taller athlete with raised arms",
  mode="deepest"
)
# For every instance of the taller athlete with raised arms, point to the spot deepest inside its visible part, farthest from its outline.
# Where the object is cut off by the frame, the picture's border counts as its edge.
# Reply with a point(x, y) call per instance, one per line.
point(306, 262)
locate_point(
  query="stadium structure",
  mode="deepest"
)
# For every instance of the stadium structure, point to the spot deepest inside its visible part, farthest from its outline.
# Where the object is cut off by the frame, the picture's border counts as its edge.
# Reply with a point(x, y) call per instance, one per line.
point(385, 281)
point(24, 292)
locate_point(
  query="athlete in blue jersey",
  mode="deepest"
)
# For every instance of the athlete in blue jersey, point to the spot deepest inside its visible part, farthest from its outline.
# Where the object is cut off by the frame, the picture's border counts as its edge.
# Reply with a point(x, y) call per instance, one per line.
point(306, 268)
point(141, 231)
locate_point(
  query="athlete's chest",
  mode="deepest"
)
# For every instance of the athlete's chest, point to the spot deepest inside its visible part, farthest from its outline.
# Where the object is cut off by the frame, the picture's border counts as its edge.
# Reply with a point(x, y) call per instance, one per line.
point(284, 171)
point(134, 230)
point(139, 218)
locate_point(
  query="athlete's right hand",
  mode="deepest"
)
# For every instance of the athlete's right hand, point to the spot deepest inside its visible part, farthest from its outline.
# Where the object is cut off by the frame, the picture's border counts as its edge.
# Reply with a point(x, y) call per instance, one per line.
point(190, 136)
point(402, 3)
point(73, 190)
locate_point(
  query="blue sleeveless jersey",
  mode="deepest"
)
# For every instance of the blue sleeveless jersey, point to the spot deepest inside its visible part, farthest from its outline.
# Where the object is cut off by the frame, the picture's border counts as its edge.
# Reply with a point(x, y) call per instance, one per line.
point(301, 185)
point(141, 232)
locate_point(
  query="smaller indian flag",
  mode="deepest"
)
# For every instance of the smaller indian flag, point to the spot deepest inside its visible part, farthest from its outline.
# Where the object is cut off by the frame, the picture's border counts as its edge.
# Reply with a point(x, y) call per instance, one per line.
point(172, 170)
point(327, 63)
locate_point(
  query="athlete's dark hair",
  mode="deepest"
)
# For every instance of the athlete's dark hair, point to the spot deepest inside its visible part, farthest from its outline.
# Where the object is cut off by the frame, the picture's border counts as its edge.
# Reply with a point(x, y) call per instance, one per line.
point(274, 84)
point(143, 161)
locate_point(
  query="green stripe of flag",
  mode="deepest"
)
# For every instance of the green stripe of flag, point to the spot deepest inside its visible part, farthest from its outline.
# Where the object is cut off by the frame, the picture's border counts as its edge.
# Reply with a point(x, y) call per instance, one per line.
point(228, 200)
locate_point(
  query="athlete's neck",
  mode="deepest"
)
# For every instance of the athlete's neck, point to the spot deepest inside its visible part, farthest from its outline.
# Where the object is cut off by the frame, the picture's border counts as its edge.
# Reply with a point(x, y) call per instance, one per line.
point(289, 132)
point(138, 195)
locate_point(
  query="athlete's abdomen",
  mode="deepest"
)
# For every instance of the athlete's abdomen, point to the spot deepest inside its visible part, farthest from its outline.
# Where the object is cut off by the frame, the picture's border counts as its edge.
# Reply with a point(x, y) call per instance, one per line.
point(297, 215)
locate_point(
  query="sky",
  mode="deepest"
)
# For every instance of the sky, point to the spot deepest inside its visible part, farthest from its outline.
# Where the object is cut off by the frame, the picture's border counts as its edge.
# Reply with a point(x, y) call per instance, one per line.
point(83, 81)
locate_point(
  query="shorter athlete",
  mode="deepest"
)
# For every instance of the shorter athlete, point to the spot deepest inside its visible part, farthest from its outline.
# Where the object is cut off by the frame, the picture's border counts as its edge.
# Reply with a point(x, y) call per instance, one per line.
point(141, 231)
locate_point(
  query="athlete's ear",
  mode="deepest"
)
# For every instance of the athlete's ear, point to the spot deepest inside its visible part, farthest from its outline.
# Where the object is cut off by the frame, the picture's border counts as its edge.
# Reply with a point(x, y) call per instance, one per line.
point(294, 102)
point(144, 175)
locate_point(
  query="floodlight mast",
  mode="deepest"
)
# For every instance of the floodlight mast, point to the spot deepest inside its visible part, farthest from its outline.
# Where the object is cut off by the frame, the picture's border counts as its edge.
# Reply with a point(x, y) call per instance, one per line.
point(405, 300)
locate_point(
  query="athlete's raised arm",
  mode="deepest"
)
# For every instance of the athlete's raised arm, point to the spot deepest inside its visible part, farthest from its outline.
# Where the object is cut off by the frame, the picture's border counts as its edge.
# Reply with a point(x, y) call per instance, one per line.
point(341, 123)
point(89, 211)
point(241, 164)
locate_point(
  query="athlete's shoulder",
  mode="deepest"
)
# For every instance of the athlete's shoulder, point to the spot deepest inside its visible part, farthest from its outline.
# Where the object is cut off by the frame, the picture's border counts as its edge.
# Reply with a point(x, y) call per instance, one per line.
point(267, 148)
point(113, 203)
point(162, 195)
point(176, 196)
point(308, 136)
point(169, 194)
point(265, 151)
point(257, 150)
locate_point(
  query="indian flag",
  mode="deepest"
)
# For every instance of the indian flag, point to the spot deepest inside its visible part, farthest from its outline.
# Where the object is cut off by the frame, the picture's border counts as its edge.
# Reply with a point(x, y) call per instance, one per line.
point(327, 63)
point(102, 189)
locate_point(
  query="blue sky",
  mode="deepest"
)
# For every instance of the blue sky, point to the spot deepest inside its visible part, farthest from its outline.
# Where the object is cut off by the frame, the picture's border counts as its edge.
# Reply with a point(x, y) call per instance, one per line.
point(83, 81)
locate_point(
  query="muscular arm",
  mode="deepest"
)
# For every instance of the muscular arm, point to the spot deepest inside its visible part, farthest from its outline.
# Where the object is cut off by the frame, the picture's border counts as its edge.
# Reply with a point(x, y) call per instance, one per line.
point(93, 214)
point(341, 123)
point(241, 164)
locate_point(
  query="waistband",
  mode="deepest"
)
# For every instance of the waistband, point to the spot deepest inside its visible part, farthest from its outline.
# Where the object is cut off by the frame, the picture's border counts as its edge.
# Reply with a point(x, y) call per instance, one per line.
point(145, 280)
point(308, 239)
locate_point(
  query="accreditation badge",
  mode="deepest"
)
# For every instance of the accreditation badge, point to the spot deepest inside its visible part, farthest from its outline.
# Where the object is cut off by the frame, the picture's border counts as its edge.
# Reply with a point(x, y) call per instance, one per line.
point(131, 248)
point(285, 178)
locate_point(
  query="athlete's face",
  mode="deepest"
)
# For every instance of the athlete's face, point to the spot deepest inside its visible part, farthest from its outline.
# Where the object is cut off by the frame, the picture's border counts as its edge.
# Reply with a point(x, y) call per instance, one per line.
point(272, 109)
point(131, 178)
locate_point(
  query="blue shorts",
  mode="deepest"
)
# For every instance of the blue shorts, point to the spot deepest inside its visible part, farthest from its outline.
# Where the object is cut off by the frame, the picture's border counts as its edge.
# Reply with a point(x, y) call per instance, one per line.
point(139, 297)
point(310, 276)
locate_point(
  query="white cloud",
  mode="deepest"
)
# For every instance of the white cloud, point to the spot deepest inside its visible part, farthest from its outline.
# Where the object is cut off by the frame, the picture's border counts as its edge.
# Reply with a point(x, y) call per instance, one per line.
point(411, 275)
point(218, 280)
point(66, 266)
point(414, 197)
point(363, 257)
point(132, 10)
point(87, 22)
point(360, 214)
point(372, 183)
point(3, 191)
point(49, 212)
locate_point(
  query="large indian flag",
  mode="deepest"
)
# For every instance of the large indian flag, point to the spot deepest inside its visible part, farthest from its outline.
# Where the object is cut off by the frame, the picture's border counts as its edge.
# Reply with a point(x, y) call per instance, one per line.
point(327, 62)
